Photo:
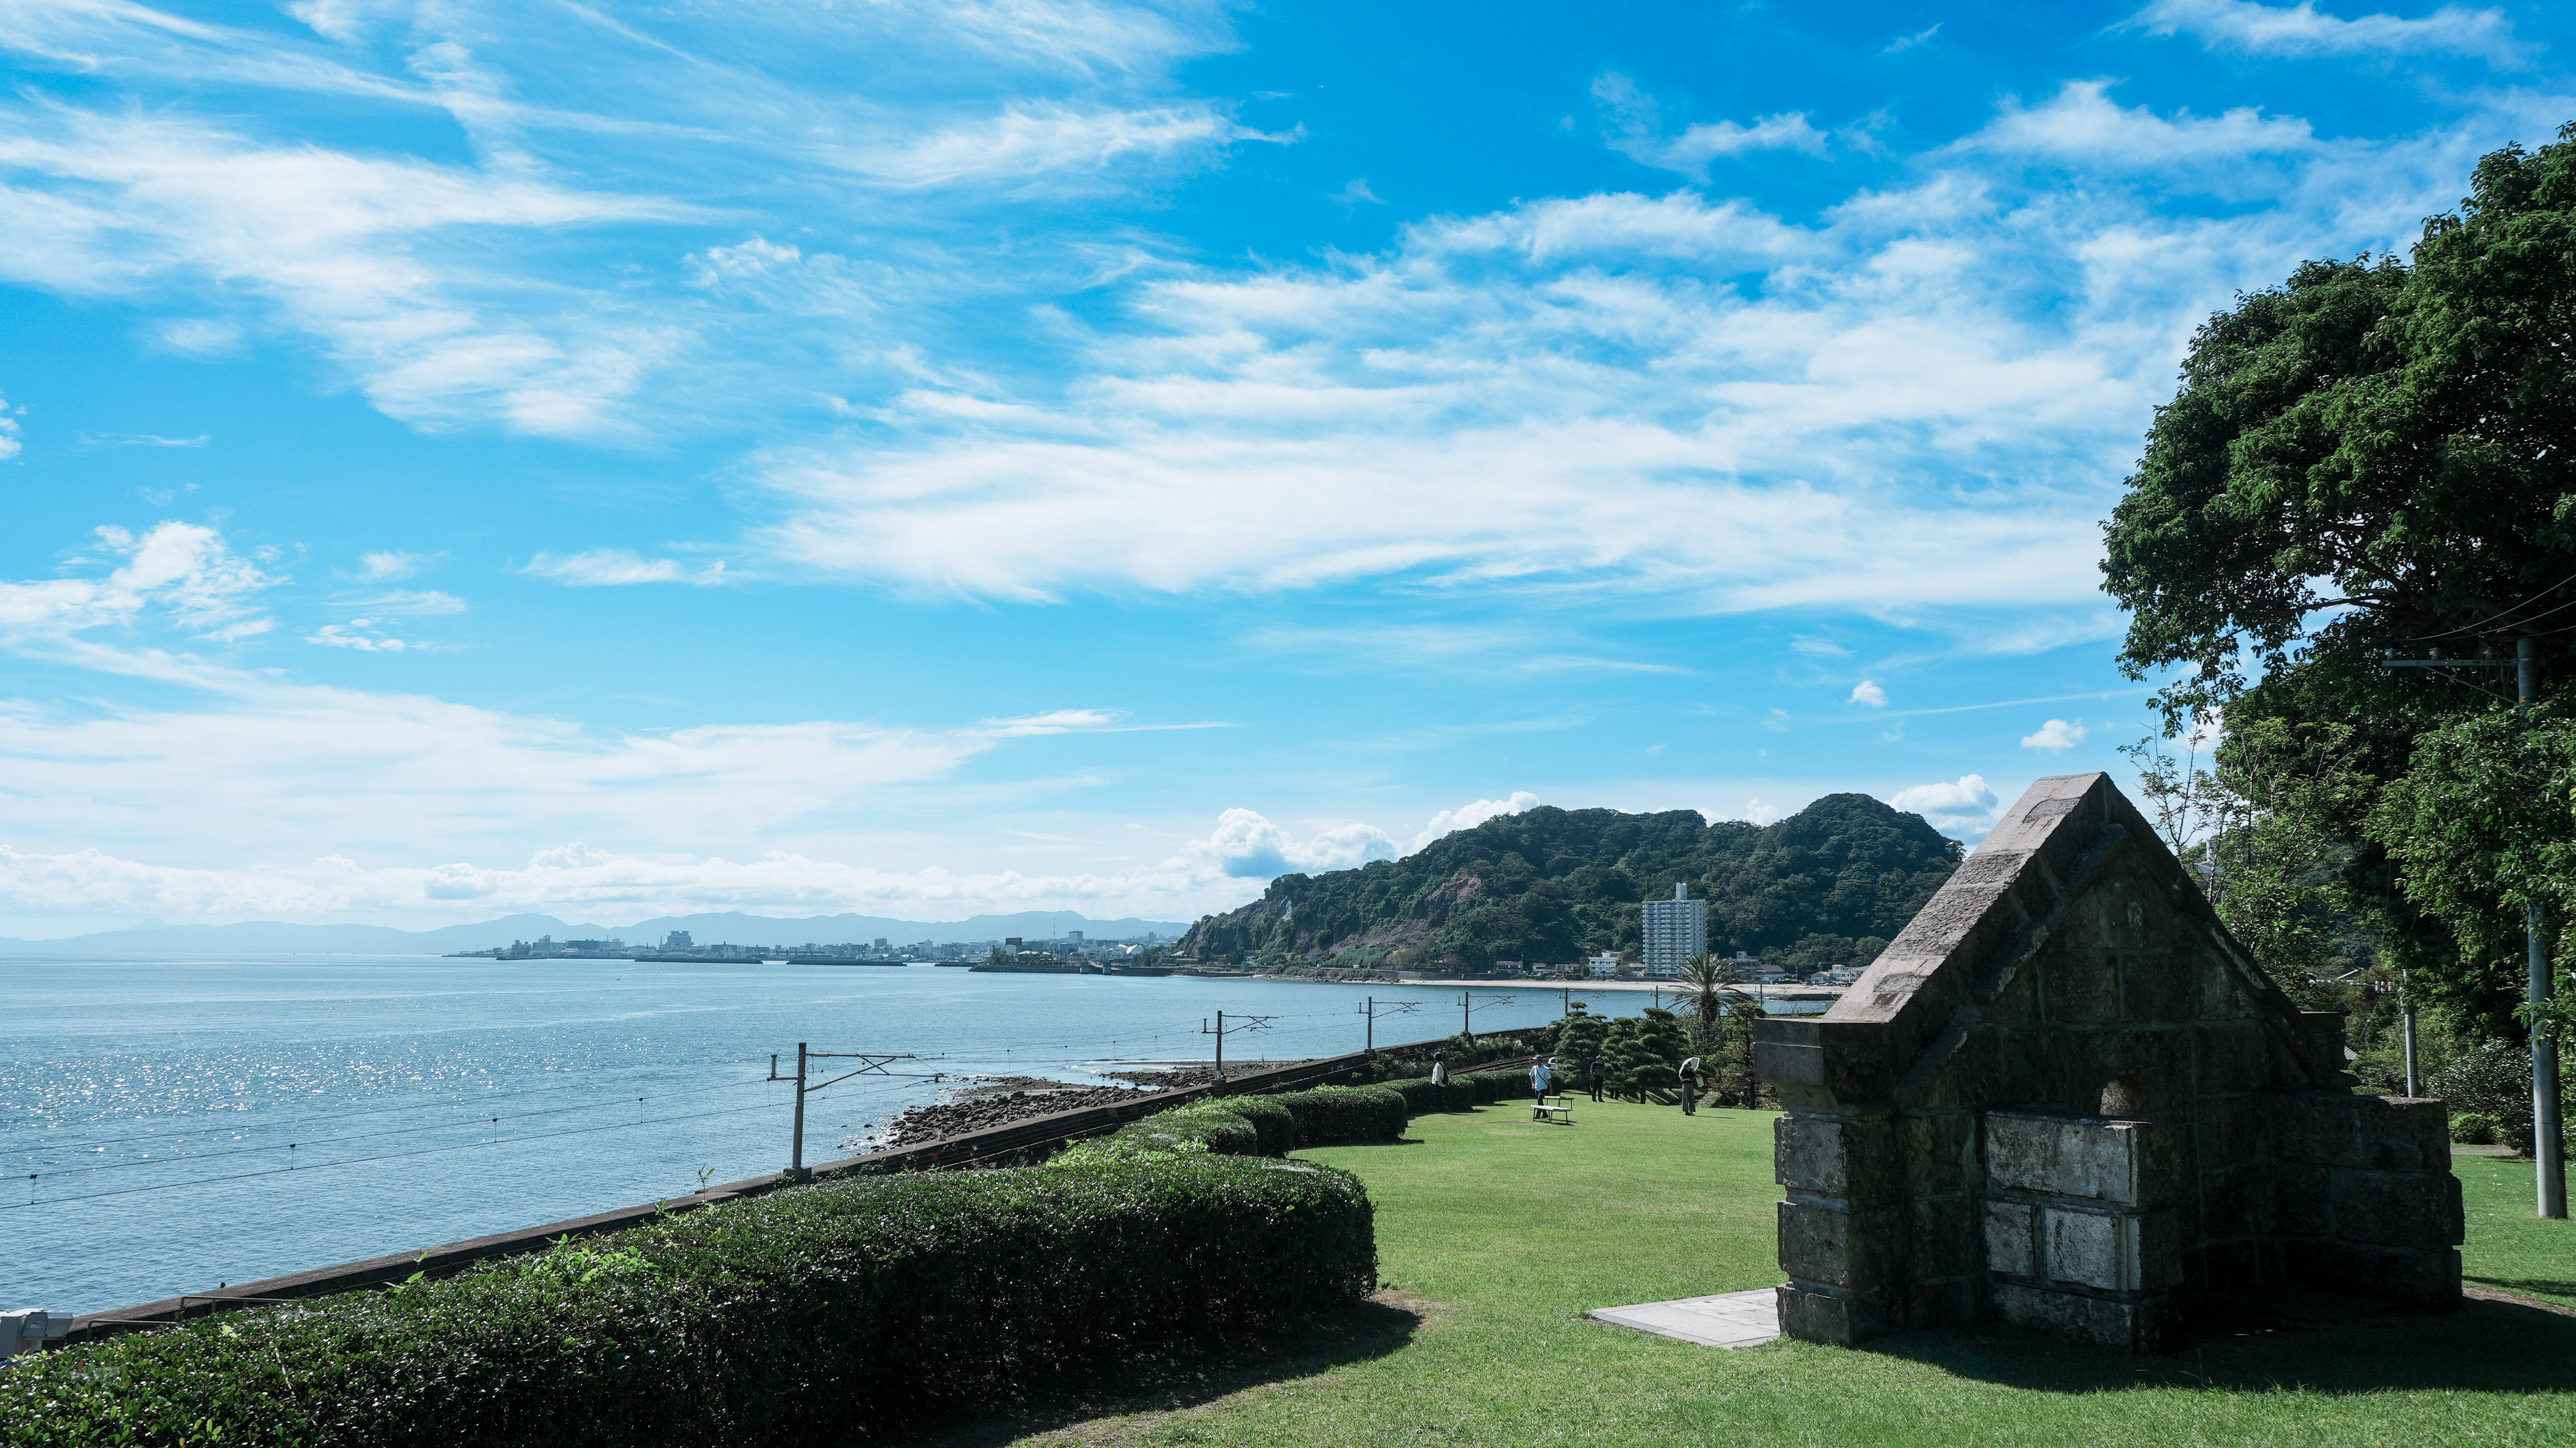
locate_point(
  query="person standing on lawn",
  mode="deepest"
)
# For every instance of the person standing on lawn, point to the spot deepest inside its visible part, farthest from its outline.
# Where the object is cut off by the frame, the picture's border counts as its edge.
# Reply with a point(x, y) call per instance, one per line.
point(1600, 1074)
point(1439, 1070)
point(1690, 1086)
point(1538, 1078)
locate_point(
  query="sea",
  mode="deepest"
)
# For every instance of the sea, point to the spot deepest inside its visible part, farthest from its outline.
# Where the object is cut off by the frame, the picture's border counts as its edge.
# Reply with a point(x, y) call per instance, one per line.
point(171, 1124)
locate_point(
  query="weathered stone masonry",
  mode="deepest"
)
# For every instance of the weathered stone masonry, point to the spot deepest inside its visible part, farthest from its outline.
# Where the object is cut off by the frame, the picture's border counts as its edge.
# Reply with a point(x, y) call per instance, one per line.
point(2064, 1095)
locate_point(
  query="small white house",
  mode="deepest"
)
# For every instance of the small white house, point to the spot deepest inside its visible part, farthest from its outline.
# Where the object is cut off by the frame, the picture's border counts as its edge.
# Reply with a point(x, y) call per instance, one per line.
point(1602, 966)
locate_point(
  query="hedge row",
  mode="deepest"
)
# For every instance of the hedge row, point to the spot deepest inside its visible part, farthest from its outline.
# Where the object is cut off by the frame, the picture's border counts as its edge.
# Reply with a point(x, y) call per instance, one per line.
point(1463, 1092)
point(1221, 1132)
point(828, 1312)
point(1276, 1124)
point(1345, 1115)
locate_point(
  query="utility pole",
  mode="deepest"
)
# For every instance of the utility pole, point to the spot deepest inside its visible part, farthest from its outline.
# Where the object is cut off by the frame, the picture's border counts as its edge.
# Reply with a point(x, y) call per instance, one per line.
point(2548, 1143)
point(1466, 1011)
point(2406, 1006)
point(871, 1064)
point(1392, 1008)
point(1222, 1030)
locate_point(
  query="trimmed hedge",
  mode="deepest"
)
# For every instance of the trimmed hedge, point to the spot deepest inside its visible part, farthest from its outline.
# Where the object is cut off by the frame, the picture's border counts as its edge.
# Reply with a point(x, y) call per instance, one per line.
point(1276, 1123)
point(1223, 1132)
point(1346, 1115)
point(1463, 1092)
point(829, 1312)
point(1421, 1098)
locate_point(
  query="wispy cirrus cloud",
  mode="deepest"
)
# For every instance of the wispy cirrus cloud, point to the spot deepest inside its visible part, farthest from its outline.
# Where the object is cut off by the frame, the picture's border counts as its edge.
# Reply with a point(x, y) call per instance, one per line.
point(1636, 125)
point(2304, 30)
point(615, 567)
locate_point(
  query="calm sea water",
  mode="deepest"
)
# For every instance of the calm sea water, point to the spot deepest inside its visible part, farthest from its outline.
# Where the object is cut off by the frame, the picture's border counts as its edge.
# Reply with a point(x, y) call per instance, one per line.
point(169, 1124)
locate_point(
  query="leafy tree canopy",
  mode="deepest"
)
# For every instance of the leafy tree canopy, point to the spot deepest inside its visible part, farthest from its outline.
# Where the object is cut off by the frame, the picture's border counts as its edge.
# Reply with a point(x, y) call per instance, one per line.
point(2373, 457)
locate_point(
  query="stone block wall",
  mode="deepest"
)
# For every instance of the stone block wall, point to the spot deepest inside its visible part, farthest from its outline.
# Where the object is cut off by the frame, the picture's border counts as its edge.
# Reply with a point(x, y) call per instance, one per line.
point(2063, 1095)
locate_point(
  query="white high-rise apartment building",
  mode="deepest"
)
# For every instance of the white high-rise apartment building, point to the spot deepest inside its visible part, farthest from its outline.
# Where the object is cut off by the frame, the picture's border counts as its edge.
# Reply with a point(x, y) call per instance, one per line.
point(1676, 930)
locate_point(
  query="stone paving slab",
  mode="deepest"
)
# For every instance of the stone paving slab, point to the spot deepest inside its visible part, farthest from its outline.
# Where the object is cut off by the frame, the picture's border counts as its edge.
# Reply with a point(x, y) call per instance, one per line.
point(1729, 1319)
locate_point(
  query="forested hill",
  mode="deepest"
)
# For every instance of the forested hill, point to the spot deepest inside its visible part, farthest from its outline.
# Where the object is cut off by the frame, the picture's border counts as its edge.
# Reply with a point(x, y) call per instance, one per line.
point(1829, 884)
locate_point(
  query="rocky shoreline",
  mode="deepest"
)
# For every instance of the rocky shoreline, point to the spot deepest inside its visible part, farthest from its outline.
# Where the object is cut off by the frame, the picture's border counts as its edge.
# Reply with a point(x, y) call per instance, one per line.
point(992, 1101)
point(1001, 1100)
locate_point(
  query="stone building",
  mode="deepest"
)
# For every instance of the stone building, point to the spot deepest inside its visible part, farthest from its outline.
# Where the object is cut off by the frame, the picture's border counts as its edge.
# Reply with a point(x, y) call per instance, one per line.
point(2064, 1096)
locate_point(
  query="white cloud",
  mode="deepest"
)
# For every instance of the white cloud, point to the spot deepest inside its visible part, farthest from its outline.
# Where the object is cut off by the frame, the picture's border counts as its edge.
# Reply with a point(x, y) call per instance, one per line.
point(1908, 42)
point(142, 439)
point(607, 567)
point(2301, 30)
point(10, 446)
point(182, 570)
point(1760, 812)
point(2056, 734)
point(1562, 396)
point(1636, 122)
point(1868, 692)
point(1210, 872)
point(1468, 816)
point(386, 566)
point(198, 337)
point(1055, 146)
point(381, 258)
point(2082, 123)
point(1967, 806)
point(409, 603)
point(1355, 192)
point(360, 634)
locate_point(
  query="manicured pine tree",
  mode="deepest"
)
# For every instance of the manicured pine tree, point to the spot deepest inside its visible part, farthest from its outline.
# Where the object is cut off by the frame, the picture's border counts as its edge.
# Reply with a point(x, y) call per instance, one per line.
point(1651, 1054)
point(1578, 1040)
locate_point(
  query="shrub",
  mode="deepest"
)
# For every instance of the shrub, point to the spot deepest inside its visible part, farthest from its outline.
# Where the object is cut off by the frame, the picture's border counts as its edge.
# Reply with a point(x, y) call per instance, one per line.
point(836, 1311)
point(1276, 1124)
point(2473, 1128)
point(2494, 1081)
point(1222, 1132)
point(1346, 1115)
point(1501, 1085)
point(1420, 1097)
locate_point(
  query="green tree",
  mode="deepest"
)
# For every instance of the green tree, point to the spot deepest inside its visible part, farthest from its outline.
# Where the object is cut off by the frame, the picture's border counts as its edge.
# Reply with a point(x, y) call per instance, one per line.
point(1644, 1052)
point(2481, 827)
point(1579, 1038)
point(2373, 457)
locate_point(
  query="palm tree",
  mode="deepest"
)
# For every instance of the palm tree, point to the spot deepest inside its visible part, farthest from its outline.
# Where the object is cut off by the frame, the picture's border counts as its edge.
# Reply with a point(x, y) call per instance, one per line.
point(1706, 984)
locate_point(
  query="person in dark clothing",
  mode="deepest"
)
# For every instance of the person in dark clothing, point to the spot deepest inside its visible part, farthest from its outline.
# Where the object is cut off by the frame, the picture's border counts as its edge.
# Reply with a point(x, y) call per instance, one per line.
point(1600, 1074)
point(1690, 1086)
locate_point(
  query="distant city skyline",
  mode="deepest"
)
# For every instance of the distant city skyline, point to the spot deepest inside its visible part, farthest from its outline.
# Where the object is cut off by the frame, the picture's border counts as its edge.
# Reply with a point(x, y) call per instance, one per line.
point(1120, 452)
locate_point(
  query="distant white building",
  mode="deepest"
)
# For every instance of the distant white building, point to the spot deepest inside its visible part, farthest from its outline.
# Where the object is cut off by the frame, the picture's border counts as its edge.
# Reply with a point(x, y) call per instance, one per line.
point(1603, 966)
point(1676, 930)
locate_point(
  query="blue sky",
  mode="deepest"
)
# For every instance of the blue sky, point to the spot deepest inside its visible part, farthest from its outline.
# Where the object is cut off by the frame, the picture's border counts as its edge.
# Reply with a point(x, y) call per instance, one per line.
point(1035, 454)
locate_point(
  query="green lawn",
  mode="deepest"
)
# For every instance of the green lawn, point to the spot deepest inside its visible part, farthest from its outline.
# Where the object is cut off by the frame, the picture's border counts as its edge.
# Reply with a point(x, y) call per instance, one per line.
point(2509, 1248)
point(1496, 1234)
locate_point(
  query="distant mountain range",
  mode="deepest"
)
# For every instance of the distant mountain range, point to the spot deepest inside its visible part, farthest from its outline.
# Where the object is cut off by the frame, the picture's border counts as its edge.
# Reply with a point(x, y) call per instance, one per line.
point(731, 928)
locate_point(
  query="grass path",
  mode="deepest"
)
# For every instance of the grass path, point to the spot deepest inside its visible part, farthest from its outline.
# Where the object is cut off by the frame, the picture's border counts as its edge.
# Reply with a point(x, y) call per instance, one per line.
point(1499, 1234)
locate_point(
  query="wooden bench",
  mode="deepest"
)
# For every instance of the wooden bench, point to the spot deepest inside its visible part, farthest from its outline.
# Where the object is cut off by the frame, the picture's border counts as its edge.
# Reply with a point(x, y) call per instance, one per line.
point(1562, 1111)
